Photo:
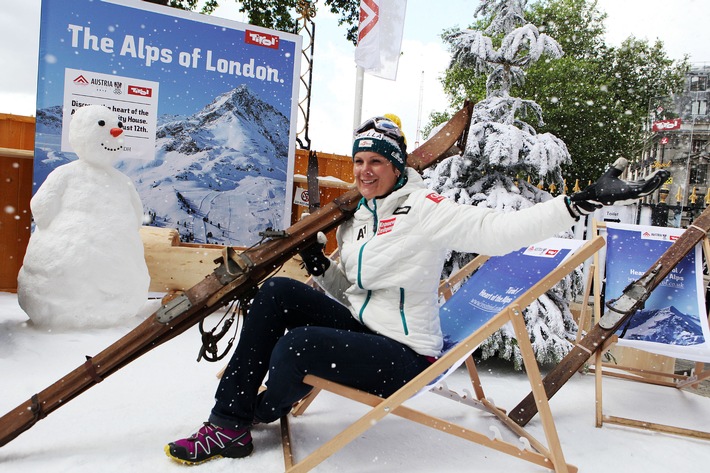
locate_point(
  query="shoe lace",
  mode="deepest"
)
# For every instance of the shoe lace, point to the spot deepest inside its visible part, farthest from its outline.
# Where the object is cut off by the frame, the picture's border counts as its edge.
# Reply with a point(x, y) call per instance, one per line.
point(206, 429)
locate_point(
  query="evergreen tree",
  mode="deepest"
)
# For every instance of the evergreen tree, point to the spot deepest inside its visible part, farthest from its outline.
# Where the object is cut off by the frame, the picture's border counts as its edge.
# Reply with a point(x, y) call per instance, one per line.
point(503, 150)
point(595, 98)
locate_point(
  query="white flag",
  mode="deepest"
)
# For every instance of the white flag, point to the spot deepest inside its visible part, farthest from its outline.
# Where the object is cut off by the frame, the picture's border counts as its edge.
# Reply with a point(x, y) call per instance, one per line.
point(380, 36)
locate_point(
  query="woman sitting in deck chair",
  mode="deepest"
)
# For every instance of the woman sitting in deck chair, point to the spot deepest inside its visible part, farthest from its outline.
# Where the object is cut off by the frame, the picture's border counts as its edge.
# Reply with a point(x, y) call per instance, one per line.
point(380, 328)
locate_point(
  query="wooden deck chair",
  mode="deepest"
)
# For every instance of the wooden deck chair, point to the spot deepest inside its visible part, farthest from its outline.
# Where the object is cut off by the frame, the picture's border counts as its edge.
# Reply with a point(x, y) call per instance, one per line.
point(661, 375)
point(511, 282)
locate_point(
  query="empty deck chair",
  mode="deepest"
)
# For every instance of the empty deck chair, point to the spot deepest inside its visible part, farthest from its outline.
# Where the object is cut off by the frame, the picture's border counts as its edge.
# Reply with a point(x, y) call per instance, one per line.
point(674, 322)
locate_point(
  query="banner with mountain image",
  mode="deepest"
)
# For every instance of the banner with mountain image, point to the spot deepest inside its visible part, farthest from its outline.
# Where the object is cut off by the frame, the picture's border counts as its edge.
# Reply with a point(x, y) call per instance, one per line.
point(209, 108)
point(673, 321)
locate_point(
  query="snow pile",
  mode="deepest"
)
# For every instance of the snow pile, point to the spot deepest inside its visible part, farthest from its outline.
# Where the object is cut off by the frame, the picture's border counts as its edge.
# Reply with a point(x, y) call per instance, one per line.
point(123, 423)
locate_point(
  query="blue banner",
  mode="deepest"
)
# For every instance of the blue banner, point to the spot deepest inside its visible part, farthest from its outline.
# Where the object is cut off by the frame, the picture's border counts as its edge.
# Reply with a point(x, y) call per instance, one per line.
point(209, 108)
point(673, 321)
point(500, 281)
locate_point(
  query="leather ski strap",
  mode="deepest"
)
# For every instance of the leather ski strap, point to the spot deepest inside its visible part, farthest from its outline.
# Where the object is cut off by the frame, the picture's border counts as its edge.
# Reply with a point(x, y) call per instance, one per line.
point(36, 408)
point(91, 369)
point(312, 177)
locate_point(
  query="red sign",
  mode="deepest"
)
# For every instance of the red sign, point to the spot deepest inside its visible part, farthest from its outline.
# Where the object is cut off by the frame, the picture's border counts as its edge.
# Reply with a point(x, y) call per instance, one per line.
point(142, 91)
point(664, 140)
point(261, 39)
point(386, 226)
point(663, 125)
point(435, 197)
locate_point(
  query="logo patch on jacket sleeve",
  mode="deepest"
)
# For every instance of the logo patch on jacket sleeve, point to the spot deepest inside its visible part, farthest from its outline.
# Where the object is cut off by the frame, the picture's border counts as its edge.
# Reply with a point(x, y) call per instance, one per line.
point(386, 226)
point(434, 197)
point(403, 210)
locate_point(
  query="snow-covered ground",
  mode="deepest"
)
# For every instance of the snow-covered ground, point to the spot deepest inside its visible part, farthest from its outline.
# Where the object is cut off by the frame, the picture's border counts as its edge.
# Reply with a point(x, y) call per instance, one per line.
point(123, 423)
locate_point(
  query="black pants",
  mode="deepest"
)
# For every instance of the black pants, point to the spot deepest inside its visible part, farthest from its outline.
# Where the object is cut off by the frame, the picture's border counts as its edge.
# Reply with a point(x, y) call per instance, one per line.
point(293, 330)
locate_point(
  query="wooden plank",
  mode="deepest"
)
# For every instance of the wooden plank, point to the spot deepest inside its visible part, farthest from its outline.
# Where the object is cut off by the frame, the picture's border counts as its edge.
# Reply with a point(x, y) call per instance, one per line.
point(286, 443)
point(176, 266)
point(599, 414)
point(15, 217)
point(669, 429)
point(16, 168)
point(16, 153)
point(583, 323)
point(521, 335)
point(427, 420)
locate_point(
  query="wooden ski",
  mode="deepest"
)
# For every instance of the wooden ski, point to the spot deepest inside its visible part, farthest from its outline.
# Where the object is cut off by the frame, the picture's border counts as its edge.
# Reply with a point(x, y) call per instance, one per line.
point(236, 276)
point(633, 298)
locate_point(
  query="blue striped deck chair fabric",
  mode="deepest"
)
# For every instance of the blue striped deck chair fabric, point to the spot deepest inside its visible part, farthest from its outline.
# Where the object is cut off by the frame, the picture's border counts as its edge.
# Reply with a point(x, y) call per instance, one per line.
point(495, 295)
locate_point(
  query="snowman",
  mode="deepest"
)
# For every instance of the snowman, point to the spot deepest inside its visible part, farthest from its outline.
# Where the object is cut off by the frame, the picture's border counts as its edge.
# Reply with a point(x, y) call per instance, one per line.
point(84, 266)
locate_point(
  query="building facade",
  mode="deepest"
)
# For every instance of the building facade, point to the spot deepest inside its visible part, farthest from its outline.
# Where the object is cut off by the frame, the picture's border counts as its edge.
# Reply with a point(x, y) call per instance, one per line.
point(679, 141)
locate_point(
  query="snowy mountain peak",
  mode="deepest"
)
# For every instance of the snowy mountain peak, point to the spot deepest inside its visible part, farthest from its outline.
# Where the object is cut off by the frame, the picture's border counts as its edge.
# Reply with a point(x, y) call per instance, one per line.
point(666, 325)
point(227, 122)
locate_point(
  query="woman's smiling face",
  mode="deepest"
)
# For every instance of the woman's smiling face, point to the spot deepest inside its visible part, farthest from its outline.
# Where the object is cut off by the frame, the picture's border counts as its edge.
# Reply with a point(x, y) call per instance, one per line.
point(375, 175)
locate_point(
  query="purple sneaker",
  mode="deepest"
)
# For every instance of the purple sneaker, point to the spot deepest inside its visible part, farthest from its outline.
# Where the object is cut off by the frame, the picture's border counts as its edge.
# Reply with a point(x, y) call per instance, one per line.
point(211, 442)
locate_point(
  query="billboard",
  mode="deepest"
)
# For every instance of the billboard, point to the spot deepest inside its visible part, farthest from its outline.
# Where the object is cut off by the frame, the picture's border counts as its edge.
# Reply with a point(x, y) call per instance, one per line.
point(209, 108)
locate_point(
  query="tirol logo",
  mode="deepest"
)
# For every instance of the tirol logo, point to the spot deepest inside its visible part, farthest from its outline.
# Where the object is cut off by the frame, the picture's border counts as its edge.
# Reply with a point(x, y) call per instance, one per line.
point(261, 39)
point(541, 251)
point(81, 80)
point(662, 125)
point(142, 91)
point(434, 197)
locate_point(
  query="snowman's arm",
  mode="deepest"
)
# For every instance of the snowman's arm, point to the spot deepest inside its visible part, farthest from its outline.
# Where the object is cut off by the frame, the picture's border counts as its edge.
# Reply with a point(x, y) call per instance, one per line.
point(136, 204)
point(47, 201)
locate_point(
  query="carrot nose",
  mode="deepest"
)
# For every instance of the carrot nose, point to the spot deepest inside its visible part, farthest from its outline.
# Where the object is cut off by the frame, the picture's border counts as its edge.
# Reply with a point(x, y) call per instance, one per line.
point(115, 132)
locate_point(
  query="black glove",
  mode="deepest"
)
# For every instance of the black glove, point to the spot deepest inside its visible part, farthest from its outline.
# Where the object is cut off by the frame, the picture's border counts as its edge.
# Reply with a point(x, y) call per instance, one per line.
point(610, 190)
point(315, 262)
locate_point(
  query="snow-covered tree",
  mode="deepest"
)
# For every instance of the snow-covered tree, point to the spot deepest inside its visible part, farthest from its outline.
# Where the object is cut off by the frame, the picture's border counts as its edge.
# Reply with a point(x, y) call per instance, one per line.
point(505, 158)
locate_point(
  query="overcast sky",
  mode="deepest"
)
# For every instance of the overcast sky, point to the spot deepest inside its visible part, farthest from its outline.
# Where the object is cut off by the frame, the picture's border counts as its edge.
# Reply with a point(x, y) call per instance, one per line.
point(680, 24)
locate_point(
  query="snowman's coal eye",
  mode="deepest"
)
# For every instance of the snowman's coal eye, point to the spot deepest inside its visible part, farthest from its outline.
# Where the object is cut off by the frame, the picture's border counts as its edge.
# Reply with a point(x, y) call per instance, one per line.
point(120, 125)
point(102, 123)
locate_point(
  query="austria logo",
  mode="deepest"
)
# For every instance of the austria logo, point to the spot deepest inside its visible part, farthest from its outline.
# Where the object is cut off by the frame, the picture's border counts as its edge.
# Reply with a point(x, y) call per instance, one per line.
point(434, 197)
point(386, 226)
point(81, 80)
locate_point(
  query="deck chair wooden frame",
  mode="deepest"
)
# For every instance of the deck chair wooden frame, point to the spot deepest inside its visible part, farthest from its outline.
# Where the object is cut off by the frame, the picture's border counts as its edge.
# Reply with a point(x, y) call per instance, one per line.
point(550, 456)
point(601, 368)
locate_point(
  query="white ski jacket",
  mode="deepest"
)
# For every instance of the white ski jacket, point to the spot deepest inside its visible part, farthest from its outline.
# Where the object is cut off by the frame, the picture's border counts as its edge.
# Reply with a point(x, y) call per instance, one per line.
point(393, 250)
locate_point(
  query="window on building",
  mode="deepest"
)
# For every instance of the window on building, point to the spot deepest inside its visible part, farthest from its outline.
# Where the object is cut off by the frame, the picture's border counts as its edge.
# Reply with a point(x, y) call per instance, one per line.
point(699, 107)
point(698, 83)
point(698, 174)
point(699, 146)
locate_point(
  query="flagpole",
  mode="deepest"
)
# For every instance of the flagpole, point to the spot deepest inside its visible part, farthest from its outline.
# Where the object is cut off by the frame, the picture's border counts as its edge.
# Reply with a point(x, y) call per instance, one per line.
point(359, 83)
